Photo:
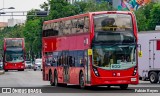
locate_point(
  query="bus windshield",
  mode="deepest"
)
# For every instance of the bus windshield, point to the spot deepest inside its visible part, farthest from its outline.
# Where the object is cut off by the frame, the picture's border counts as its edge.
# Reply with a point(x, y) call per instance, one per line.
point(14, 56)
point(114, 57)
point(113, 28)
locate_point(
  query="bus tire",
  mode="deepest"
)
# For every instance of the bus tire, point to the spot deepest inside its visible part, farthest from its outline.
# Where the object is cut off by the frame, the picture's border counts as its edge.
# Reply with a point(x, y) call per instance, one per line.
point(124, 86)
point(55, 79)
point(21, 70)
point(159, 77)
point(81, 80)
point(153, 77)
point(6, 70)
point(51, 79)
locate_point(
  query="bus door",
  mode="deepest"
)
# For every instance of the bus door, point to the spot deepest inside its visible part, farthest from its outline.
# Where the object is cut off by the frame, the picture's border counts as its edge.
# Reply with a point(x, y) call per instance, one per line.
point(65, 66)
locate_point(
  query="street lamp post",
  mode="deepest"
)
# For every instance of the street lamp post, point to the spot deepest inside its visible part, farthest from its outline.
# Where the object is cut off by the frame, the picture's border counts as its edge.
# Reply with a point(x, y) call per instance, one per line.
point(5, 8)
point(4, 12)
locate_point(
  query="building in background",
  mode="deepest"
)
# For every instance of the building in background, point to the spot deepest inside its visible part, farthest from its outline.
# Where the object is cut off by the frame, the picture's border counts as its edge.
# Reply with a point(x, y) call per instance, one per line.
point(129, 5)
point(12, 22)
point(122, 5)
point(72, 1)
point(3, 24)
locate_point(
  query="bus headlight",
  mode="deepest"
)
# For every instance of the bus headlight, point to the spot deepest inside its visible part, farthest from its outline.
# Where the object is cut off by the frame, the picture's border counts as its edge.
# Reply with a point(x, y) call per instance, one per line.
point(95, 71)
point(135, 71)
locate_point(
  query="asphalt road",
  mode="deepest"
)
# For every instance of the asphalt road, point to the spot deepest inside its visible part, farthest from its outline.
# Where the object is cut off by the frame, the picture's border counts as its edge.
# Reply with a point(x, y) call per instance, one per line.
point(33, 79)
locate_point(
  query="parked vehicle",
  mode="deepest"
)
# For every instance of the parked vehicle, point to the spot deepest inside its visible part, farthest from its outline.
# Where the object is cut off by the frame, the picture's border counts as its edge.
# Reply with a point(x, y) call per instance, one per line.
point(149, 66)
point(38, 64)
point(28, 65)
point(1, 65)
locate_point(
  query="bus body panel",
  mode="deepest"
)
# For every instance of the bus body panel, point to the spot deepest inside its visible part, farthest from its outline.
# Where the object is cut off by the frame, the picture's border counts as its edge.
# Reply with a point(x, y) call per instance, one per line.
point(14, 65)
point(83, 42)
point(107, 77)
point(66, 43)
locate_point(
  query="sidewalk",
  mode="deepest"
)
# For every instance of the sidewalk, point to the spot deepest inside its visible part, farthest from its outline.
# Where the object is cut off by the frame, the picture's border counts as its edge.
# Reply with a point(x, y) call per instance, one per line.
point(1, 72)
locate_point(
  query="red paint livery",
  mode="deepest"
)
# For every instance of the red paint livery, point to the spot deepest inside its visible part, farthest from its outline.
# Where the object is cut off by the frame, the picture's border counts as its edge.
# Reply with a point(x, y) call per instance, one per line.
point(13, 58)
point(92, 49)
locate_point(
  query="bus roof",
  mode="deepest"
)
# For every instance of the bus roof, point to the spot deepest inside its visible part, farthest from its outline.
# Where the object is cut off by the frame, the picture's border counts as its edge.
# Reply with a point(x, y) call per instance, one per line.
point(86, 14)
point(14, 38)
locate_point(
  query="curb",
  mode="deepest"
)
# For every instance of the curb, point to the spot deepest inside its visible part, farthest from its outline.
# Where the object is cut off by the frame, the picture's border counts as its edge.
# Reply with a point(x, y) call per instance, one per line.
point(1, 72)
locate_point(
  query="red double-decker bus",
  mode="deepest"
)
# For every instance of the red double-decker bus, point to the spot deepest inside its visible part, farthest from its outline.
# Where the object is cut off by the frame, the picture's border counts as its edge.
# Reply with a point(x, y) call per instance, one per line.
point(14, 54)
point(92, 49)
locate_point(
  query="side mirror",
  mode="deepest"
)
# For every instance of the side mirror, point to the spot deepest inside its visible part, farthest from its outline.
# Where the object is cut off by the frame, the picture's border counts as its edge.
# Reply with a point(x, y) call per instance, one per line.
point(81, 62)
point(140, 51)
point(89, 52)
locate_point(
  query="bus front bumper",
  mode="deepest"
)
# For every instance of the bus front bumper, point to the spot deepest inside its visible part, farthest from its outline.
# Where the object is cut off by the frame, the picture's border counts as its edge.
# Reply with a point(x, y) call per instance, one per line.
point(114, 80)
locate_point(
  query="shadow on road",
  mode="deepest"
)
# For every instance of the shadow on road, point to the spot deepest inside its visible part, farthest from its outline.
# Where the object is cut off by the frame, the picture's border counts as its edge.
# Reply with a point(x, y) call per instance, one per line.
point(76, 89)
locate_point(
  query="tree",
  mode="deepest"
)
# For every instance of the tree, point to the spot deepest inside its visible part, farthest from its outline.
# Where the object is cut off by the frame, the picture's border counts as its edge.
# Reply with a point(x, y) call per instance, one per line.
point(141, 19)
point(45, 5)
point(92, 6)
point(154, 16)
point(144, 18)
point(32, 33)
point(61, 8)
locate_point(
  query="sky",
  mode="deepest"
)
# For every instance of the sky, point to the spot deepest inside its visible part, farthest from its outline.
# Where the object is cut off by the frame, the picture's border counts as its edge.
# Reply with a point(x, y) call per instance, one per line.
point(19, 5)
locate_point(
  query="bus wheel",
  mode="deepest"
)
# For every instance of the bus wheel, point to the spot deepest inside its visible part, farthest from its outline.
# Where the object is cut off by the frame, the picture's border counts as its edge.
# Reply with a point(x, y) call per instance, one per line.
point(159, 77)
point(153, 77)
point(51, 79)
point(55, 80)
point(123, 87)
point(6, 70)
point(81, 81)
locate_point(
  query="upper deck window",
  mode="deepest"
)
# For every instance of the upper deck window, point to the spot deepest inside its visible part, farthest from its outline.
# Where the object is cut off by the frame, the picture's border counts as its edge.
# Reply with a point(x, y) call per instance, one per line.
point(61, 28)
point(113, 28)
point(13, 43)
point(113, 22)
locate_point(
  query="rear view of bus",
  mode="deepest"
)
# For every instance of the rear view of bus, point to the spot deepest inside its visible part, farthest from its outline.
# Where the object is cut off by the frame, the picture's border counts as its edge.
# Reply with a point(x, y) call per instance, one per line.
point(13, 56)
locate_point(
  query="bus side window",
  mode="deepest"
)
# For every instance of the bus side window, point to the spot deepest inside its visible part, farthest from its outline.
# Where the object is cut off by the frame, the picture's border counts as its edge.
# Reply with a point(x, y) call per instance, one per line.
point(80, 25)
point(86, 24)
point(71, 59)
point(67, 29)
point(59, 59)
point(74, 27)
point(75, 58)
point(80, 59)
point(46, 59)
point(55, 59)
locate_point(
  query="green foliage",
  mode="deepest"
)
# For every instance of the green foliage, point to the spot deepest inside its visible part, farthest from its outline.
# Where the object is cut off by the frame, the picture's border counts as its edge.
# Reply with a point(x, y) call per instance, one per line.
point(154, 16)
point(32, 33)
point(11, 32)
point(61, 8)
point(141, 19)
point(92, 6)
point(148, 17)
